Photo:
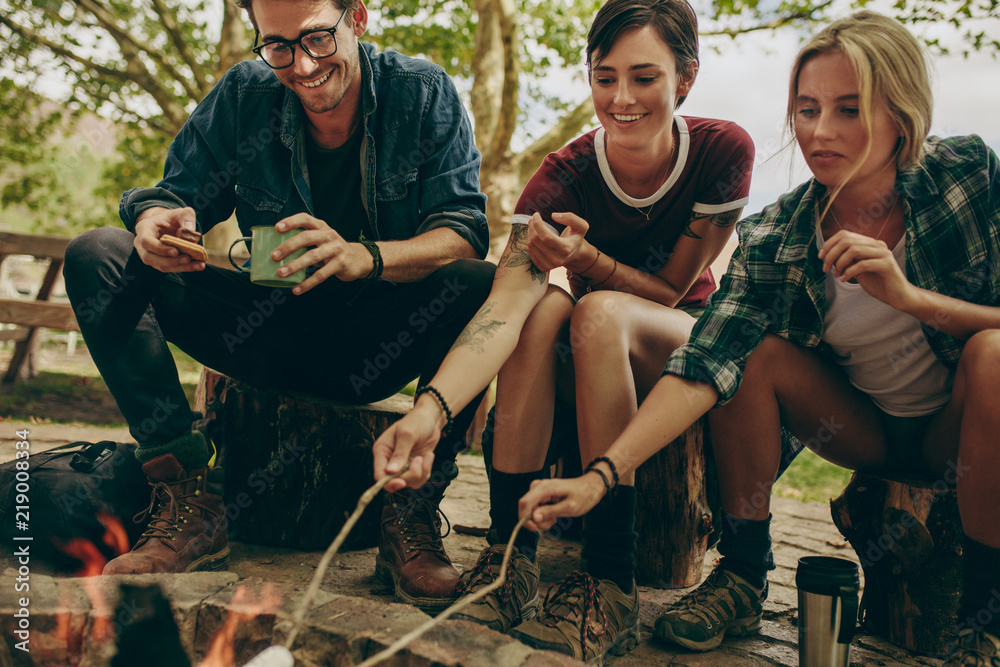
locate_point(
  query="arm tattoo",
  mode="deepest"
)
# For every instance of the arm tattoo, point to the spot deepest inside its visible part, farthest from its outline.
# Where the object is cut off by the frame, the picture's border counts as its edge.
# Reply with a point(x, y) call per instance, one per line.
point(687, 231)
point(726, 218)
point(723, 220)
point(518, 254)
point(479, 330)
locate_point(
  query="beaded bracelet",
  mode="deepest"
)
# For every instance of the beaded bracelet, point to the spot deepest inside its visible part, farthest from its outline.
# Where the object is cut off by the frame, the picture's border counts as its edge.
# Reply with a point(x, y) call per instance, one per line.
point(449, 421)
point(605, 459)
point(377, 264)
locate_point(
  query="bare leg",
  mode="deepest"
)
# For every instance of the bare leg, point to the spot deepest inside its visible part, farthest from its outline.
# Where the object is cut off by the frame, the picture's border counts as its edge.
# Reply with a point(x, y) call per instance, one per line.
point(526, 387)
point(962, 444)
point(620, 345)
point(784, 382)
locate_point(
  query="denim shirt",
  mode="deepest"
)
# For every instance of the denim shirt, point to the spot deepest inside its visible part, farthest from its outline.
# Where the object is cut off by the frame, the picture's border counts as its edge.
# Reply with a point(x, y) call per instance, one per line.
point(243, 149)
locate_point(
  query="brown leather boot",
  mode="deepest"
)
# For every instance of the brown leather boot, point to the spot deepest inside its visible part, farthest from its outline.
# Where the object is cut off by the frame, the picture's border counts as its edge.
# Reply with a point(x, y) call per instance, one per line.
point(411, 555)
point(187, 522)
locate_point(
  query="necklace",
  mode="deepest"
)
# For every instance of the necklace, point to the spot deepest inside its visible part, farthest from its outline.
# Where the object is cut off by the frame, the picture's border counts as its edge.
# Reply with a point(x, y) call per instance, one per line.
point(670, 161)
point(884, 222)
point(646, 212)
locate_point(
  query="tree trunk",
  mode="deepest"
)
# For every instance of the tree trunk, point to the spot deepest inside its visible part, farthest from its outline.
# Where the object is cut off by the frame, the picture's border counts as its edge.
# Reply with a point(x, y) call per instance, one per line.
point(295, 466)
point(674, 514)
point(909, 541)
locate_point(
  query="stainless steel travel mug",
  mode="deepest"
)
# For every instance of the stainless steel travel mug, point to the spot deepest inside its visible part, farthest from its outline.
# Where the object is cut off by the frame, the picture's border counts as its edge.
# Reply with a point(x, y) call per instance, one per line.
point(828, 610)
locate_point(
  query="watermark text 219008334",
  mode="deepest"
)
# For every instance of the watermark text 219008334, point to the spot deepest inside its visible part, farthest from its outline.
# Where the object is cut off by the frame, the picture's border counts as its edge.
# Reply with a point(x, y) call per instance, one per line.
point(22, 540)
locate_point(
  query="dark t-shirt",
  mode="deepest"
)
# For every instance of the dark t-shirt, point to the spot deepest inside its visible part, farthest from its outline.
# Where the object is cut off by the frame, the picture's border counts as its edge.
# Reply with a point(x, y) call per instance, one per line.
point(711, 175)
point(335, 183)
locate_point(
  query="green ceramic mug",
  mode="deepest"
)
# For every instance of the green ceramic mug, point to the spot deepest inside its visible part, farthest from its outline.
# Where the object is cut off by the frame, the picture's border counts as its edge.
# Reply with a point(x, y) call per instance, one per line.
point(263, 270)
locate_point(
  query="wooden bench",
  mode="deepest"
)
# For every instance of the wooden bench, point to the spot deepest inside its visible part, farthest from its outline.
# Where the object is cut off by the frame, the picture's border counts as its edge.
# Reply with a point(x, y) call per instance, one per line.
point(31, 315)
point(38, 311)
point(908, 535)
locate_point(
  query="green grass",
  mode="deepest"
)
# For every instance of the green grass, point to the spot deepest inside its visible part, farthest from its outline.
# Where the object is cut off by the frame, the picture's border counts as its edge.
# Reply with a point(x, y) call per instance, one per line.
point(812, 479)
point(79, 395)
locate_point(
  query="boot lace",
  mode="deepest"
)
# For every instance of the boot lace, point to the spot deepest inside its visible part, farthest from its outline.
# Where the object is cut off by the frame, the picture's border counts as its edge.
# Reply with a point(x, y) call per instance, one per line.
point(485, 572)
point(703, 602)
point(574, 599)
point(166, 511)
point(421, 527)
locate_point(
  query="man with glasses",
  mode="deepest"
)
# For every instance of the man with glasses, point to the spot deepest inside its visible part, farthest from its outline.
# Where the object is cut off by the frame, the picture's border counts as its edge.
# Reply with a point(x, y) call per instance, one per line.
point(371, 156)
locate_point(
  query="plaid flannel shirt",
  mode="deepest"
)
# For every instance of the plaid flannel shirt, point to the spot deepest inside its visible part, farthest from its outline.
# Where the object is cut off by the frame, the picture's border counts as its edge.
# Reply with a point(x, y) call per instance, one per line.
point(775, 281)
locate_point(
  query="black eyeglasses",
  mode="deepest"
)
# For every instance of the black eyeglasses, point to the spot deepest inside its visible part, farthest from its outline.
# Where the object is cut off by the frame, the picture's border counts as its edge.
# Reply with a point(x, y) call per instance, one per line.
point(280, 53)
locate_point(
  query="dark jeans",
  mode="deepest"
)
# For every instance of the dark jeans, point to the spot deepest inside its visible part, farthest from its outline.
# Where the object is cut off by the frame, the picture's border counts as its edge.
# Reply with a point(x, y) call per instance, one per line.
point(350, 342)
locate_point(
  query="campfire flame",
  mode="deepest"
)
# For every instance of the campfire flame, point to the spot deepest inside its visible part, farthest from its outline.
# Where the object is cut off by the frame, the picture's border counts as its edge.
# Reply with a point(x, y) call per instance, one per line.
point(242, 608)
point(115, 537)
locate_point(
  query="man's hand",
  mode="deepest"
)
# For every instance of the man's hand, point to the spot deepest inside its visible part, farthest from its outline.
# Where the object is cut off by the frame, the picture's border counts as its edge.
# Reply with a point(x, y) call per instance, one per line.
point(329, 251)
point(412, 439)
point(550, 499)
point(157, 222)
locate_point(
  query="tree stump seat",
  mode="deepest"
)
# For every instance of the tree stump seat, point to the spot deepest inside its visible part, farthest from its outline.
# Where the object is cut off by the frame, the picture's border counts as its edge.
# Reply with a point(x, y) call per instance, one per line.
point(907, 533)
point(295, 465)
point(677, 506)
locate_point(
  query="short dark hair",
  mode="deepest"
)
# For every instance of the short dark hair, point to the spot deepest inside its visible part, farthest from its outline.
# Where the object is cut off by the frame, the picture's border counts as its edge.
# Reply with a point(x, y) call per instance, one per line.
point(673, 20)
point(346, 5)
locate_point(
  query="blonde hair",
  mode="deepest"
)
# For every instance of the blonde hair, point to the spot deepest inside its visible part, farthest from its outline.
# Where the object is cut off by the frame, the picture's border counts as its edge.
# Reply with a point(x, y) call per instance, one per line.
point(890, 65)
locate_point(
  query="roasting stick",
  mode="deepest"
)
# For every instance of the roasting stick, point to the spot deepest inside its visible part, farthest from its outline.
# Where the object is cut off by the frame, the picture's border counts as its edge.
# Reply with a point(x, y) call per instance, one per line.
point(461, 604)
point(332, 550)
point(281, 656)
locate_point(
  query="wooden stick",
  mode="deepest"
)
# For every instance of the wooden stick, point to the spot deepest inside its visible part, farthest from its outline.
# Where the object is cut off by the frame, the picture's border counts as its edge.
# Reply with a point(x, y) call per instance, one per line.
point(461, 604)
point(366, 498)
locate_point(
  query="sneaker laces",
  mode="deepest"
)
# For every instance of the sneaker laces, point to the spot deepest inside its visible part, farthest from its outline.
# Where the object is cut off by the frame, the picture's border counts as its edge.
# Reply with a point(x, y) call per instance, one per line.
point(697, 602)
point(419, 533)
point(974, 648)
point(164, 511)
point(577, 590)
point(485, 572)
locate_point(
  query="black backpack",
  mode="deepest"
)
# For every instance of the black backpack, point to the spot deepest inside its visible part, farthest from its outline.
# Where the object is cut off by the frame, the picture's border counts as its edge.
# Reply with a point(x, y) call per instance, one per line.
point(68, 488)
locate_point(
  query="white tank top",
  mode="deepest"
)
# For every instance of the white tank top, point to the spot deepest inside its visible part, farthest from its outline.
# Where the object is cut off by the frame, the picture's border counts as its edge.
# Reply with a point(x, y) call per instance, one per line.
point(884, 351)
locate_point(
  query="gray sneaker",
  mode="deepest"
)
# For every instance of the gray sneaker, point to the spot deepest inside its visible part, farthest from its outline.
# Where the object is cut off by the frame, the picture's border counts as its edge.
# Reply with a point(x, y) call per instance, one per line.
point(586, 619)
point(975, 649)
point(511, 604)
point(724, 603)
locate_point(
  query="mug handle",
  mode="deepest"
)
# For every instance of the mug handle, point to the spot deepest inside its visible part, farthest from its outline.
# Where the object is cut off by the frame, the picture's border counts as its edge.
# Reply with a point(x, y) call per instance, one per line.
point(848, 614)
point(230, 254)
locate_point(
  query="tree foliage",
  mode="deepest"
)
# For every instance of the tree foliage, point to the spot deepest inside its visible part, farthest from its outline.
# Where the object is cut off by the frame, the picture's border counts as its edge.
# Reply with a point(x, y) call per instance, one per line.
point(145, 65)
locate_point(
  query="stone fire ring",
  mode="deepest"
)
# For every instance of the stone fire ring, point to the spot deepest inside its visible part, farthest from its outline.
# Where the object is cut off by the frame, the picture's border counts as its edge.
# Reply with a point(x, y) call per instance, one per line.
point(339, 630)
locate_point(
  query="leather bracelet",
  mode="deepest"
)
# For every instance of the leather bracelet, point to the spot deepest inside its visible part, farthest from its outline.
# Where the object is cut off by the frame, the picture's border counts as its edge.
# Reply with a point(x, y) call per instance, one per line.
point(609, 275)
point(580, 274)
point(377, 264)
point(604, 478)
point(614, 471)
point(449, 421)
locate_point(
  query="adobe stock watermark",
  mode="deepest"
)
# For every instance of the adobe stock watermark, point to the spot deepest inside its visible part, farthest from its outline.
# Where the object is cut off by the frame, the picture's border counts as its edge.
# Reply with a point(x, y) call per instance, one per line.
point(419, 321)
point(246, 326)
point(828, 429)
point(87, 310)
